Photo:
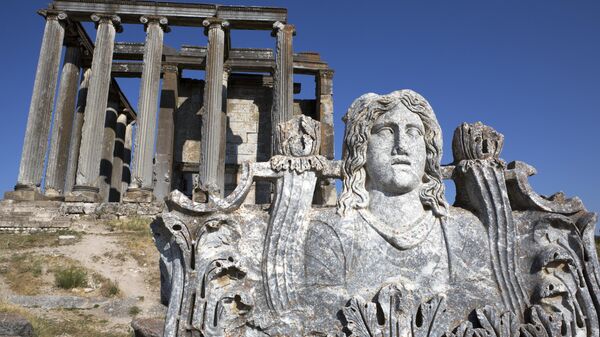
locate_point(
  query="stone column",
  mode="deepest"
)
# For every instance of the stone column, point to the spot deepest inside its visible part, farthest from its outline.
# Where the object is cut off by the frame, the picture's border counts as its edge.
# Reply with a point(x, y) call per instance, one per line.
point(56, 170)
point(116, 176)
point(140, 188)
point(163, 166)
point(108, 145)
point(213, 144)
point(76, 131)
point(40, 110)
point(325, 193)
point(88, 167)
point(283, 81)
point(126, 170)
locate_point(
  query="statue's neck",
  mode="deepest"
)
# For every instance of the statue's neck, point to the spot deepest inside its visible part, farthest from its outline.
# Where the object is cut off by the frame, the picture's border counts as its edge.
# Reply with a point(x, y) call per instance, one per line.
point(397, 211)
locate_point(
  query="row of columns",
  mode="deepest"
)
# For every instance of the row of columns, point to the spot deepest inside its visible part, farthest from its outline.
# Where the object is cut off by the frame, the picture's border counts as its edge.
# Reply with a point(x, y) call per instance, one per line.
point(91, 163)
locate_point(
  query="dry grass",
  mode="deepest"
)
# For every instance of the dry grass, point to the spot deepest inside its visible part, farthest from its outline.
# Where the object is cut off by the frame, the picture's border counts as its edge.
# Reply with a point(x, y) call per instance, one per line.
point(31, 274)
point(34, 240)
point(135, 236)
point(73, 323)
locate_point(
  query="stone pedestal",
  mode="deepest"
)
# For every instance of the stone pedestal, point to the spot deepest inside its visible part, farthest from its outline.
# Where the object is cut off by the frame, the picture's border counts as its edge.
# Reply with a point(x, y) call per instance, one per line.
point(141, 181)
point(56, 170)
point(138, 195)
point(213, 135)
point(163, 167)
point(283, 81)
point(40, 109)
point(88, 167)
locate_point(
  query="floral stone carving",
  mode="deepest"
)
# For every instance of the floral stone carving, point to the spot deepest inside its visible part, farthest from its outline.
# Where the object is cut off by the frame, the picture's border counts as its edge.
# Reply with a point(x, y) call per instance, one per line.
point(393, 258)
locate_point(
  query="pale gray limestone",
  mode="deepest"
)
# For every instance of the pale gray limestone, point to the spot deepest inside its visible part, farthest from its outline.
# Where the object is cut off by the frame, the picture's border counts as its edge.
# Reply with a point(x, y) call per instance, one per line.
point(88, 168)
point(213, 117)
point(163, 166)
point(141, 180)
point(126, 175)
point(116, 177)
point(42, 102)
point(56, 169)
point(76, 131)
point(393, 258)
point(283, 80)
point(108, 146)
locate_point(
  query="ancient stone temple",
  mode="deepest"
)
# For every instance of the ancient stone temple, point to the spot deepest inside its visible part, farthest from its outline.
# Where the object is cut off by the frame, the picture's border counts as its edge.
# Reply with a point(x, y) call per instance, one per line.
point(253, 238)
point(103, 149)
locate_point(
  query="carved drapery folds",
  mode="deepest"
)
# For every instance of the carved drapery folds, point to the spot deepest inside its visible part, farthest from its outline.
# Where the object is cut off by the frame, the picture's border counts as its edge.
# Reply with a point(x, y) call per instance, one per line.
point(229, 269)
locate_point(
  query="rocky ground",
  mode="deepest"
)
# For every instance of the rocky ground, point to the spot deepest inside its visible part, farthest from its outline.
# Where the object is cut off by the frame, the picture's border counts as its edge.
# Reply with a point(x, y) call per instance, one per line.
point(90, 283)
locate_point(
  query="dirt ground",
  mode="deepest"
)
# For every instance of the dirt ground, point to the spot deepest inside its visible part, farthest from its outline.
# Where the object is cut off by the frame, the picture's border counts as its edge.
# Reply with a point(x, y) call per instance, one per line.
point(82, 284)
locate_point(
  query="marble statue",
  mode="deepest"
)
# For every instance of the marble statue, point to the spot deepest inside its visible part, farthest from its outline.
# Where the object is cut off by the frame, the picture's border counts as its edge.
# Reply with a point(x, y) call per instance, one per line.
point(393, 258)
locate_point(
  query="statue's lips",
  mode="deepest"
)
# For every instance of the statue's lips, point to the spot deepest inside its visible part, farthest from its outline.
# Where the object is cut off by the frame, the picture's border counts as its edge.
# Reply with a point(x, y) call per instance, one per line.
point(400, 161)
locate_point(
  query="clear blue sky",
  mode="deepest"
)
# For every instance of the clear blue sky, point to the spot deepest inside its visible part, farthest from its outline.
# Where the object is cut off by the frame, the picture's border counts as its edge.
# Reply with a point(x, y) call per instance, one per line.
point(530, 69)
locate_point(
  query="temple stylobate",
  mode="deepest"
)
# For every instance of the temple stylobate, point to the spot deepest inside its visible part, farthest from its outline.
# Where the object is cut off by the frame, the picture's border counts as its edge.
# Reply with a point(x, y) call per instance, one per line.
point(186, 134)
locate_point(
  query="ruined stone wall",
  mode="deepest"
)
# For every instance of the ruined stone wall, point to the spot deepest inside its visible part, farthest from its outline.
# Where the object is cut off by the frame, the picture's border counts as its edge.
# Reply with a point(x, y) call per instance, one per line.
point(249, 101)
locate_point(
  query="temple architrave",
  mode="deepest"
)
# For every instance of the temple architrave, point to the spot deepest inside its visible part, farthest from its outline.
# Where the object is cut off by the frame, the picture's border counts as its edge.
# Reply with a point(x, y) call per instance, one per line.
point(185, 134)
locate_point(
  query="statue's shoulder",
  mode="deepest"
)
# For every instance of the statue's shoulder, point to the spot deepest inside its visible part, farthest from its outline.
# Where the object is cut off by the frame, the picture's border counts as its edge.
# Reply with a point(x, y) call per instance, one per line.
point(326, 248)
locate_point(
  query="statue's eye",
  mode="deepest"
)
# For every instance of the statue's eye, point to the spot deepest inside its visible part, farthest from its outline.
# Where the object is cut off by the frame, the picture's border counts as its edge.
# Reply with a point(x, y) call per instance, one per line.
point(414, 131)
point(384, 131)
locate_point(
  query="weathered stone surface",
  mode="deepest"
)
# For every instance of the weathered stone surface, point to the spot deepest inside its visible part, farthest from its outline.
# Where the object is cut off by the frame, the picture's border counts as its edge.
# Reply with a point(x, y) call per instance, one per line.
point(393, 258)
point(42, 102)
point(88, 168)
point(147, 327)
point(15, 325)
point(147, 104)
point(213, 115)
point(58, 157)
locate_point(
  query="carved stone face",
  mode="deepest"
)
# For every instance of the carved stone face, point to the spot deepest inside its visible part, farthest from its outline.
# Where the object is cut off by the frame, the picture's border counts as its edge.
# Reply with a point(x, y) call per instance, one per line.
point(396, 152)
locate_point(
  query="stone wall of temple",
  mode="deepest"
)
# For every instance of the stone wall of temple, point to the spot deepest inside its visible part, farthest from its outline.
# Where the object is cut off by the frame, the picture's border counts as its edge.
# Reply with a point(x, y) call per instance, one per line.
point(248, 137)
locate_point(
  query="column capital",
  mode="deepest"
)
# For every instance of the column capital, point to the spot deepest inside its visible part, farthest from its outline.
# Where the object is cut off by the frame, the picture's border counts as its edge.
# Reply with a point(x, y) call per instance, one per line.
point(112, 19)
point(50, 14)
point(162, 21)
point(170, 68)
point(213, 23)
point(326, 73)
point(286, 28)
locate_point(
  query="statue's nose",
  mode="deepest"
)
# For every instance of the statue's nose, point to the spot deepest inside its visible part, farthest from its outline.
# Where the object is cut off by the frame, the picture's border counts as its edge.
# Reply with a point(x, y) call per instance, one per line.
point(400, 145)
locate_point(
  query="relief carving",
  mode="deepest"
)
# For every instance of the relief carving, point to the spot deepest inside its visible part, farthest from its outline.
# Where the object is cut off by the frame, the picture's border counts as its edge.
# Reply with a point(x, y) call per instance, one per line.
point(393, 258)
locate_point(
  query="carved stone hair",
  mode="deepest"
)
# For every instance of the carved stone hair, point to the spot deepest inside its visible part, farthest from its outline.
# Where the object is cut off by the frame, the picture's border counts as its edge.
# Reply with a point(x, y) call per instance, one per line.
point(359, 120)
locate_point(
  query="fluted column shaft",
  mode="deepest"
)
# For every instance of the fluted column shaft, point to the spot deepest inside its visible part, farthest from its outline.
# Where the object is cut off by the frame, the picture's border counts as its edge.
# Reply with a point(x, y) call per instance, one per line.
point(325, 193)
point(76, 131)
point(283, 81)
point(213, 142)
point(56, 170)
point(126, 169)
point(42, 102)
point(163, 166)
point(88, 167)
point(117, 163)
point(108, 146)
point(141, 182)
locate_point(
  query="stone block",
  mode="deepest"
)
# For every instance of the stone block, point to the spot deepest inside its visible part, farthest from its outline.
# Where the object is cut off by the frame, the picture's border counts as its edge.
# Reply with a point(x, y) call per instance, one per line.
point(24, 195)
point(191, 151)
point(15, 325)
point(147, 327)
point(138, 195)
point(83, 196)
